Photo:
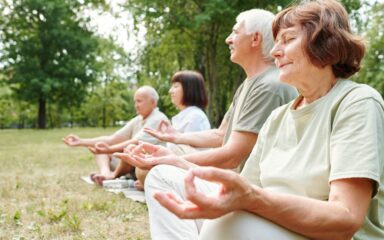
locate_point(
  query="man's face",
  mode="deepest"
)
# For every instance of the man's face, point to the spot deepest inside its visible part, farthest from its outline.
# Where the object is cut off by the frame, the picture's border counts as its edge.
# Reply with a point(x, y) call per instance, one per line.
point(239, 43)
point(144, 104)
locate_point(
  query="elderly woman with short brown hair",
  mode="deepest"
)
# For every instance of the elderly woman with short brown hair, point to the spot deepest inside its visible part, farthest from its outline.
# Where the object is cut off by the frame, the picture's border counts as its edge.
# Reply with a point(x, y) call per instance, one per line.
point(316, 170)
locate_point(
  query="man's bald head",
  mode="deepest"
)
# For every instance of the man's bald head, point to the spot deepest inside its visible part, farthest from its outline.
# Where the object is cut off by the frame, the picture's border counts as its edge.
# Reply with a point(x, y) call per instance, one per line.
point(150, 91)
point(145, 99)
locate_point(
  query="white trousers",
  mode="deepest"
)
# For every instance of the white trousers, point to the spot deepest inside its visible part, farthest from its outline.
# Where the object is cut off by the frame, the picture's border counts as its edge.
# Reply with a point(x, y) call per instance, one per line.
point(239, 225)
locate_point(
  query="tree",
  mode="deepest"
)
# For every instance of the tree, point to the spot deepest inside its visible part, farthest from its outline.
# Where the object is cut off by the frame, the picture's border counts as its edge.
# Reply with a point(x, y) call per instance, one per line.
point(372, 71)
point(48, 52)
point(114, 102)
point(190, 34)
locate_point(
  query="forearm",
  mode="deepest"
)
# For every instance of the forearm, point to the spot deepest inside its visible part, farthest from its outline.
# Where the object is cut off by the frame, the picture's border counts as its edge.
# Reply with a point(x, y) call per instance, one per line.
point(230, 155)
point(309, 217)
point(89, 142)
point(205, 139)
point(183, 163)
point(119, 147)
point(220, 157)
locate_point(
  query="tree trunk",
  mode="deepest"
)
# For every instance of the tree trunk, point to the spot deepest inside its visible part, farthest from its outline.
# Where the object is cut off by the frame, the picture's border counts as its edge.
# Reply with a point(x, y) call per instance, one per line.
point(104, 116)
point(41, 114)
point(105, 103)
point(214, 87)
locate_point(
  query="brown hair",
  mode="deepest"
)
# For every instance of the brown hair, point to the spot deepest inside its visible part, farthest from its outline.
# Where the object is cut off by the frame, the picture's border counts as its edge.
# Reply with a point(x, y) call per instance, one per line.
point(328, 39)
point(194, 93)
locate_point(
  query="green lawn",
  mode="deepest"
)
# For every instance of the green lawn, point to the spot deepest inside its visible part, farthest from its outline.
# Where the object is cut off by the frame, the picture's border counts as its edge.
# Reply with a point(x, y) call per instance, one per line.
point(42, 196)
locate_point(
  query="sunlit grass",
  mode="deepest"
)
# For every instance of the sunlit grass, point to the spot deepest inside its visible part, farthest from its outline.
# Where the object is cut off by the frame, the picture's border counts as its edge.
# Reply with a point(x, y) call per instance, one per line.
point(42, 196)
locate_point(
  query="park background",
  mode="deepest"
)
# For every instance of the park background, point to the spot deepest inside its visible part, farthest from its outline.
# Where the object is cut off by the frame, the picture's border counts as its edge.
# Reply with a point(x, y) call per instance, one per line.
point(57, 70)
point(65, 68)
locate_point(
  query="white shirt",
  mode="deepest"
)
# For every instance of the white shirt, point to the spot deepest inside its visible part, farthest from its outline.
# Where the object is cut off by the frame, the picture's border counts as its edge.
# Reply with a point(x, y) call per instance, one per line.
point(134, 129)
point(191, 119)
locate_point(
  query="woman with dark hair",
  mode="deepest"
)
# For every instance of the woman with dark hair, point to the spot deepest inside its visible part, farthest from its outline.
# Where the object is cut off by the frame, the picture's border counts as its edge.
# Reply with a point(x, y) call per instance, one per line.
point(317, 169)
point(189, 96)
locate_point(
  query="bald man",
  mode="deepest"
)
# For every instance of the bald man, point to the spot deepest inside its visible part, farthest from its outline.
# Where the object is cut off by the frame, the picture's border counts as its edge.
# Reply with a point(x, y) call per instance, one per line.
point(148, 116)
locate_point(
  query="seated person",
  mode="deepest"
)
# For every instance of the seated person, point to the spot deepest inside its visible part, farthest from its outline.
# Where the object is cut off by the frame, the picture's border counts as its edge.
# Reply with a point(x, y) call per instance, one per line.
point(145, 99)
point(189, 96)
point(316, 171)
point(261, 92)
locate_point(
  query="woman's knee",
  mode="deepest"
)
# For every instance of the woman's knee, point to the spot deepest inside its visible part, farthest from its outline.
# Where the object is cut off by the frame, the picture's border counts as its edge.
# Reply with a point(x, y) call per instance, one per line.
point(164, 174)
point(242, 225)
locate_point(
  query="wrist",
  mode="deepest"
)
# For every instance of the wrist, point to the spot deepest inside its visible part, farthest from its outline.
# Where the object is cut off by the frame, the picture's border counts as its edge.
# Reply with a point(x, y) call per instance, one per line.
point(82, 143)
point(178, 139)
point(182, 163)
point(256, 200)
point(112, 149)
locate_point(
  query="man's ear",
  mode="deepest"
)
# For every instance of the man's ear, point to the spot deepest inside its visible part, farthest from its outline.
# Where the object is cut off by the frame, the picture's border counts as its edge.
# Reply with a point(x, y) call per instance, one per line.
point(257, 39)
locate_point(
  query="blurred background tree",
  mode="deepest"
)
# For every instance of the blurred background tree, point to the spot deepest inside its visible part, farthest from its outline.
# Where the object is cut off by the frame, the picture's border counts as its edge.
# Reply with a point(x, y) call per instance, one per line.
point(190, 34)
point(372, 28)
point(55, 66)
point(49, 54)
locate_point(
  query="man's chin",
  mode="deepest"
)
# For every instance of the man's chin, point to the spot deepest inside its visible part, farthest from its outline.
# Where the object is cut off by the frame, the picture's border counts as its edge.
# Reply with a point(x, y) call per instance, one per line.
point(233, 59)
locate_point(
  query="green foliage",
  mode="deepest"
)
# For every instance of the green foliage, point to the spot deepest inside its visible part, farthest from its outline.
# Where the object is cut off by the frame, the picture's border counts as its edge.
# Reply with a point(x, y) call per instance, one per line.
point(54, 67)
point(104, 106)
point(63, 71)
point(372, 71)
point(49, 55)
point(72, 223)
point(6, 107)
point(17, 218)
point(56, 216)
point(15, 113)
point(191, 35)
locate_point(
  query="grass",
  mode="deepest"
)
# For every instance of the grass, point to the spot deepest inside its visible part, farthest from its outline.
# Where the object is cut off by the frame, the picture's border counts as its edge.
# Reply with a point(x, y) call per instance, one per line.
point(42, 196)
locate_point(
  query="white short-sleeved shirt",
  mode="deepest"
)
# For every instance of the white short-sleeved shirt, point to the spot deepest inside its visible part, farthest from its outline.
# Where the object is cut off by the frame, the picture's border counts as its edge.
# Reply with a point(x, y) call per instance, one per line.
point(191, 119)
point(134, 128)
point(340, 135)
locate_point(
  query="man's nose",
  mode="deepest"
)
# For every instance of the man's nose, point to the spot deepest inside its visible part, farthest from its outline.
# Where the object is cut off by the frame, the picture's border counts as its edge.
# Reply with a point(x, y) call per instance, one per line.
point(228, 40)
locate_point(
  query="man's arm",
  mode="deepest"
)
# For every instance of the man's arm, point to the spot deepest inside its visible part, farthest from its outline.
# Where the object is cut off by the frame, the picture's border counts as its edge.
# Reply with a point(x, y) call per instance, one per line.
point(230, 155)
point(203, 139)
point(119, 147)
point(146, 156)
point(76, 141)
point(103, 148)
point(120, 135)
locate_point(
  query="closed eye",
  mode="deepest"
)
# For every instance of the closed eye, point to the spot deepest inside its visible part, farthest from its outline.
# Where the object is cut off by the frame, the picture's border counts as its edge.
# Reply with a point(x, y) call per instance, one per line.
point(288, 39)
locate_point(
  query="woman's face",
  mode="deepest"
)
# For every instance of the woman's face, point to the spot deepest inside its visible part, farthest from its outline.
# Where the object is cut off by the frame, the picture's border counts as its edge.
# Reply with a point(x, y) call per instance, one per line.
point(176, 92)
point(290, 58)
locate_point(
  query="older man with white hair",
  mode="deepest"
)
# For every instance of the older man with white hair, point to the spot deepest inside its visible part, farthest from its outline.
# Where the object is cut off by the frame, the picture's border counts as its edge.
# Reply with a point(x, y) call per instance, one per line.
point(261, 92)
point(148, 115)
